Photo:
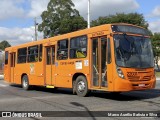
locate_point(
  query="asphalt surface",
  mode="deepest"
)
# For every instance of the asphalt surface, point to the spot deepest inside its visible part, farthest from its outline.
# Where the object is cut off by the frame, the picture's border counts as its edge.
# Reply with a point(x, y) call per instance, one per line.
point(14, 98)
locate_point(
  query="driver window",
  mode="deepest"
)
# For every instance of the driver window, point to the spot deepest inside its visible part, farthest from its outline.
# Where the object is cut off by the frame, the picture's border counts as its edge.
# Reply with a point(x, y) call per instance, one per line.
point(62, 50)
point(78, 47)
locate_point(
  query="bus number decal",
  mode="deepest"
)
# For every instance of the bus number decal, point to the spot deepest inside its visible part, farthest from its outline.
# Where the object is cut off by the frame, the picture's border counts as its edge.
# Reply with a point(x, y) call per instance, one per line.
point(98, 34)
point(66, 63)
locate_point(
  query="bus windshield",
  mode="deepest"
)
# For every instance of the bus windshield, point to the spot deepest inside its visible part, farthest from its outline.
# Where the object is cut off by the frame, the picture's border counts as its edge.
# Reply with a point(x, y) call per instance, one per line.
point(133, 51)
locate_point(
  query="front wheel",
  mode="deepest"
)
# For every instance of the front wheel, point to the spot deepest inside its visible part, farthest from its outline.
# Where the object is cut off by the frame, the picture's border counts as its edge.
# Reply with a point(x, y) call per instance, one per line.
point(25, 82)
point(81, 86)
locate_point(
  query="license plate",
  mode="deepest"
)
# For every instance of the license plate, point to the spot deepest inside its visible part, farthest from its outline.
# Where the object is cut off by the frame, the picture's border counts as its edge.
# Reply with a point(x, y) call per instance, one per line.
point(141, 85)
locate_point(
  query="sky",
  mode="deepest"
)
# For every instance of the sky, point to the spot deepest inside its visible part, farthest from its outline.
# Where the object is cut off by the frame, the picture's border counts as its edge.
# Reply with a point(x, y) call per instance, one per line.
point(17, 16)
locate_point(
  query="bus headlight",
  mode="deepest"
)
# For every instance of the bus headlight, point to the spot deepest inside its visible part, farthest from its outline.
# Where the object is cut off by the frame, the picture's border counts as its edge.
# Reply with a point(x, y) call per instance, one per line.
point(120, 73)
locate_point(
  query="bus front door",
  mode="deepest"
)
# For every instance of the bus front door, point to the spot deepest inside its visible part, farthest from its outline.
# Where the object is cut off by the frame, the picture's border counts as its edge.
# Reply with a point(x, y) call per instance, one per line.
point(99, 64)
point(12, 66)
point(50, 66)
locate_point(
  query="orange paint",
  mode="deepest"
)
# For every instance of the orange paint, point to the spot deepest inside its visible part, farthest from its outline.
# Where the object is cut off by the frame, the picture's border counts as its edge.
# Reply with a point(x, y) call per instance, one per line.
point(61, 73)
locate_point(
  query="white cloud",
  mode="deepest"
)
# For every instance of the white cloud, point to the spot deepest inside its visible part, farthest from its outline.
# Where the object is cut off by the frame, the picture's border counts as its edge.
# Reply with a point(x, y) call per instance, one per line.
point(98, 7)
point(155, 12)
point(13, 8)
point(153, 26)
point(17, 36)
point(37, 7)
point(10, 8)
point(106, 7)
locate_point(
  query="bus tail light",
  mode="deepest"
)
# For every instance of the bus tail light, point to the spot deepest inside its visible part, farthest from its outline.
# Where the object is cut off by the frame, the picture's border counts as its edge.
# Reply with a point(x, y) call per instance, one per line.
point(120, 73)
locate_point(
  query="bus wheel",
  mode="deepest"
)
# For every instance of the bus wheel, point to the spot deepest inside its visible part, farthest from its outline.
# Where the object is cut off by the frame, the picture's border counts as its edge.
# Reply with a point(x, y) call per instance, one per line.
point(74, 87)
point(81, 86)
point(25, 82)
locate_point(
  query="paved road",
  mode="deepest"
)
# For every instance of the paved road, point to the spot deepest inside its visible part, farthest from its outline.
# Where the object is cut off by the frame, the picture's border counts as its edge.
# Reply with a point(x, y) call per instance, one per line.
point(14, 98)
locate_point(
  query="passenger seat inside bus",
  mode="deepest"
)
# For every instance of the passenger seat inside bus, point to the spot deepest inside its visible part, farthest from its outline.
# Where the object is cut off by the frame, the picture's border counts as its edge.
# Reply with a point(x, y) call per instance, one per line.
point(80, 54)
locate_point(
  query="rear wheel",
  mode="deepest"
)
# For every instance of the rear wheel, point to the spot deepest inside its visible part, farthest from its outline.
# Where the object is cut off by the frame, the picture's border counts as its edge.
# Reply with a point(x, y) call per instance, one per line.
point(74, 87)
point(81, 86)
point(25, 82)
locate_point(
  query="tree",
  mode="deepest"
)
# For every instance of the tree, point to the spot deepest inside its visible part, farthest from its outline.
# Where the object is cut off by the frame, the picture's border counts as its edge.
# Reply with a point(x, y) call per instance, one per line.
point(4, 44)
point(156, 47)
point(130, 18)
point(1, 47)
point(60, 18)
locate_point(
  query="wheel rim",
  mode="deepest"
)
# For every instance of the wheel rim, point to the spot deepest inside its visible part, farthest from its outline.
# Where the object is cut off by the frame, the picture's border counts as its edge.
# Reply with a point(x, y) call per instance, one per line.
point(81, 87)
point(25, 82)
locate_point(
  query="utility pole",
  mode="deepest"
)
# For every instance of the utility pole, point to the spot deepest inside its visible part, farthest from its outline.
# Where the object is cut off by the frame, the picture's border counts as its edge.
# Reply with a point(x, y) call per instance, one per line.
point(88, 13)
point(35, 24)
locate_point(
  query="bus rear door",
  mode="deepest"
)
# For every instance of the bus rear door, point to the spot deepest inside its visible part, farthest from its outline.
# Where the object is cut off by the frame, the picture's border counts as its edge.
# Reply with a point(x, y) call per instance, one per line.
point(12, 66)
point(50, 65)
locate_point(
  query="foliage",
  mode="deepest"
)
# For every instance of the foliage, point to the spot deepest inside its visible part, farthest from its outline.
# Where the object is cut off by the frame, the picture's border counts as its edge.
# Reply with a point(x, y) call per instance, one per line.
point(4, 44)
point(60, 18)
point(130, 18)
point(156, 47)
point(158, 74)
point(1, 47)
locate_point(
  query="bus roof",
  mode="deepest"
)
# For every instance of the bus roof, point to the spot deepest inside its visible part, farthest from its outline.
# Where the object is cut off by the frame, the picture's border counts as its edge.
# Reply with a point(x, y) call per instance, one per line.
point(105, 27)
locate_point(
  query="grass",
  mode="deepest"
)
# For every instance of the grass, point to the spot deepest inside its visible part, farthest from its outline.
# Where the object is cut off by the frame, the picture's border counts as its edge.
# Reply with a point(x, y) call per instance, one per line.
point(157, 74)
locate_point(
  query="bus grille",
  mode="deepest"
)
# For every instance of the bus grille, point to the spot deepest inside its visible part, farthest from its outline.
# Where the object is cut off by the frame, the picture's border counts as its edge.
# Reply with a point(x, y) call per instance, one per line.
point(138, 76)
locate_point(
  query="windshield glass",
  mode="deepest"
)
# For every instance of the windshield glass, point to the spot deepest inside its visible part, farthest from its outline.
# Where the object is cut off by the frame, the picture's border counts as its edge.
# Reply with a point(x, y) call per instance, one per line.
point(133, 51)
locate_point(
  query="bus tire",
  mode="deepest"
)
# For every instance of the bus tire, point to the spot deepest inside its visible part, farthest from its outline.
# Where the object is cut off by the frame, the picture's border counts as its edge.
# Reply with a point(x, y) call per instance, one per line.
point(81, 86)
point(25, 82)
point(74, 87)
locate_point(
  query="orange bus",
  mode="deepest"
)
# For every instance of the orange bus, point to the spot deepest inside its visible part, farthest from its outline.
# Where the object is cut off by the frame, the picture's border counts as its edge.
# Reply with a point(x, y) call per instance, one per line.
point(111, 57)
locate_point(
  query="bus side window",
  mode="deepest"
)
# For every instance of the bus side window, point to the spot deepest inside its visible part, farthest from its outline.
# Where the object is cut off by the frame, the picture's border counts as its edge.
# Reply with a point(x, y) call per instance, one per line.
point(33, 53)
point(6, 57)
point(53, 54)
point(40, 52)
point(62, 49)
point(78, 47)
point(22, 55)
